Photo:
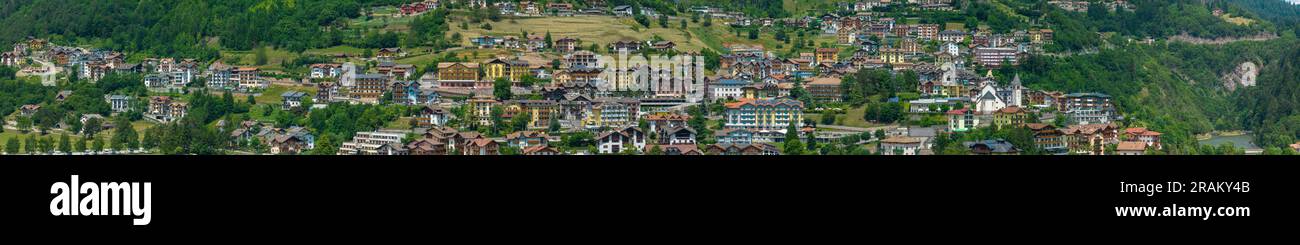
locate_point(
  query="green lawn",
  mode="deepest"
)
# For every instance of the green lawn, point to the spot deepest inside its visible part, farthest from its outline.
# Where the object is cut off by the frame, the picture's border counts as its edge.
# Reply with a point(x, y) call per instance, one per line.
point(383, 19)
point(853, 118)
point(272, 94)
point(719, 35)
point(341, 49)
point(955, 26)
point(400, 123)
point(274, 57)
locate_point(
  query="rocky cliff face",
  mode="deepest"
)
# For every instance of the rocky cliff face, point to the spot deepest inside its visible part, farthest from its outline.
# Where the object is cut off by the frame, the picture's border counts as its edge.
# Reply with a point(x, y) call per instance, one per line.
point(1243, 76)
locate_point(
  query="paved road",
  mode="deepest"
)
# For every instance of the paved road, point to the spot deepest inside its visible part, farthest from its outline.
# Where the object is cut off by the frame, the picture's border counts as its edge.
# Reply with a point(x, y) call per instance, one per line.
point(47, 78)
point(857, 129)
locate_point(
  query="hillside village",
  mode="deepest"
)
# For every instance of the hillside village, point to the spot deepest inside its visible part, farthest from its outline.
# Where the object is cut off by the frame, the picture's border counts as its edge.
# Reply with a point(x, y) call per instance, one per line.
point(859, 79)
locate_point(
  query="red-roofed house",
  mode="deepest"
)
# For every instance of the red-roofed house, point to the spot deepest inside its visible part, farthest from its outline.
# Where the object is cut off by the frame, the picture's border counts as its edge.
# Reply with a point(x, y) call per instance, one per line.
point(541, 150)
point(961, 120)
point(481, 146)
point(1091, 138)
point(1131, 148)
point(681, 149)
point(1151, 138)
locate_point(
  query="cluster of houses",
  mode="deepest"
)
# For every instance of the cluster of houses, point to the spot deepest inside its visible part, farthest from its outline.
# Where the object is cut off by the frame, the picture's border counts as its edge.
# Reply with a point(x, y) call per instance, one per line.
point(750, 128)
point(1085, 139)
point(536, 8)
point(236, 78)
point(168, 74)
point(346, 83)
point(883, 41)
point(160, 74)
point(290, 141)
point(609, 97)
point(1089, 119)
point(417, 8)
point(1082, 6)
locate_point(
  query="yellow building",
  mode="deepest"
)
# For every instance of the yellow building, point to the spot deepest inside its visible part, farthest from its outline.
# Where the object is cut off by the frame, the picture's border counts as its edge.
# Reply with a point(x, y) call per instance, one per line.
point(538, 111)
point(828, 55)
point(509, 69)
point(954, 90)
point(892, 56)
point(481, 109)
point(1010, 116)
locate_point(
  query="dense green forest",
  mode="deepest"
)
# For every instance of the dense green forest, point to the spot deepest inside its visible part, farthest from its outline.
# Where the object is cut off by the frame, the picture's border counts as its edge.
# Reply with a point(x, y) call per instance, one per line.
point(1175, 88)
point(1279, 12)
point(187, 28)
point(1150, 18)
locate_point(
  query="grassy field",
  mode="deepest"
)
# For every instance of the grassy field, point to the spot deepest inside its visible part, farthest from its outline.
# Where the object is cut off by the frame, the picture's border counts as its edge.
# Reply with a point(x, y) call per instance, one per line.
point(400, 123)
point(247, 58)
point(800, 8)
point(954, 26)
point(349, 50)
point(718, 36)
point(851, 117)
point(382, 18)
point(1236, 20)
point(272, 94)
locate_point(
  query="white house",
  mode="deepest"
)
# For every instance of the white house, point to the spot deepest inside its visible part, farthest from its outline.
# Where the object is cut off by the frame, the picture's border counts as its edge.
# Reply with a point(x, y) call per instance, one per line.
point(952, 48)
point(726, 88)
point(614, 141)
point(988, 100)
point(900, 145)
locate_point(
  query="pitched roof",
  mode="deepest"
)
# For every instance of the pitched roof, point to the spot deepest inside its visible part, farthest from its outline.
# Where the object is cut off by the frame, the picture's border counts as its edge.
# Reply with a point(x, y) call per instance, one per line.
point(995, 145)
point(481, 142)
point(293, 94)
point(683, 148)
point(901, 140)
point(526, 134)
point(730, 82)
point(1011, 110)
point(825, 81)
point(1131, 146)
point(370, 76)
point(1039, 126)
point(677, 129)
point(667, 116)
point(1141, 132)
point(768, 102)
point(449, 64)
point(538, 148)
point(1087, 128)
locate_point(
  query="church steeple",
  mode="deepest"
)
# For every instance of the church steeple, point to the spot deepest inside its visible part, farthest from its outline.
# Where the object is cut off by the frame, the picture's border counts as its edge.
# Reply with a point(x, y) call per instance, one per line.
point(1015, 82)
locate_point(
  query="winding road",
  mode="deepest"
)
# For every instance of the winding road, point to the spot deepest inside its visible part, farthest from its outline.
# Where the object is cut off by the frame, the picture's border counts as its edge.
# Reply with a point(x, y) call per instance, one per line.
point(48, 78)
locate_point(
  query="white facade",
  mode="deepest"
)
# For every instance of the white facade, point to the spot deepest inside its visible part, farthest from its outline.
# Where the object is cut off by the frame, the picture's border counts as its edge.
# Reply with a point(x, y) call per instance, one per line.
point(988, 101)
point(368, 143)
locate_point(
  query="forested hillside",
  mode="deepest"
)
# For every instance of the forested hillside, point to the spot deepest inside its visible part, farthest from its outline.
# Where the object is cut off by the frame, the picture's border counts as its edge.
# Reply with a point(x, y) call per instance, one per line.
point(188, 28)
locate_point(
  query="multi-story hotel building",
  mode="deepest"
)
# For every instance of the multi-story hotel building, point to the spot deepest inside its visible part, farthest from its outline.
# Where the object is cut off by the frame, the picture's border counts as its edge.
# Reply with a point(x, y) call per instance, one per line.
point(773, 115)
